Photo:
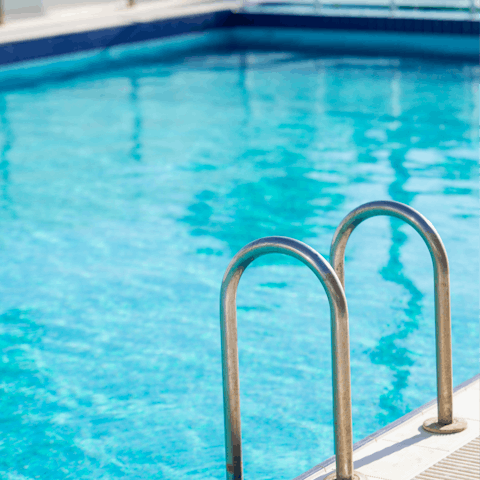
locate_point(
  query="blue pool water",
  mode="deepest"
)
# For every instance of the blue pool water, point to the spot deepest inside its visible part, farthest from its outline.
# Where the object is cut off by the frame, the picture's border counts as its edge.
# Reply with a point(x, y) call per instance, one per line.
point(124, 194)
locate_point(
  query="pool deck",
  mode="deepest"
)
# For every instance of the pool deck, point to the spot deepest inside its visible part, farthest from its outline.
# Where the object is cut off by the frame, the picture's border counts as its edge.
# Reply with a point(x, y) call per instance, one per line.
point(75, 19)
point(99, 26)
point(404, 451)
point(88, 18)
point(366, 8)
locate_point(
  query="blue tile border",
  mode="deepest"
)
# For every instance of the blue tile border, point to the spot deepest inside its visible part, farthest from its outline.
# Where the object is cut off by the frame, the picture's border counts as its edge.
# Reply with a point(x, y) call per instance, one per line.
point(108, 37)
point(174, 48)
point(139, 32)
point(452, 27)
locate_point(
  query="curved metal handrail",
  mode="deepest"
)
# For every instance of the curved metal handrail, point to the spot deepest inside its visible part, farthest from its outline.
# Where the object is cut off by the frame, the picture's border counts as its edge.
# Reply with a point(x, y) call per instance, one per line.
point(342, 409)
point(445, 422)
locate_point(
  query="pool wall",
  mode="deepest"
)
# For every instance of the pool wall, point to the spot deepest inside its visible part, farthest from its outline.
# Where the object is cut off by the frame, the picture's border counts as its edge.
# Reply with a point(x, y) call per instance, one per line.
point(397, 36)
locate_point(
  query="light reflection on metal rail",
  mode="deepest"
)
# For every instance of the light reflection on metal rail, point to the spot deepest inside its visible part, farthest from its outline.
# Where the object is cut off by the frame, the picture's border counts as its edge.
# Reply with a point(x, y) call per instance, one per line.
point(342, 409)
point(445, 423)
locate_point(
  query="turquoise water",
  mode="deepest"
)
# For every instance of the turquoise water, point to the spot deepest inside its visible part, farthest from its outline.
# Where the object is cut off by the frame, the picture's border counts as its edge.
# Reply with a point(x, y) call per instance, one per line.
point(125, 192)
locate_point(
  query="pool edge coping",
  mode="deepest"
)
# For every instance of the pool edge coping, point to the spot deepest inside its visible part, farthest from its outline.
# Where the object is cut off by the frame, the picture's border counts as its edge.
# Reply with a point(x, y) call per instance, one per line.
point(373, 436)
point(124, 29)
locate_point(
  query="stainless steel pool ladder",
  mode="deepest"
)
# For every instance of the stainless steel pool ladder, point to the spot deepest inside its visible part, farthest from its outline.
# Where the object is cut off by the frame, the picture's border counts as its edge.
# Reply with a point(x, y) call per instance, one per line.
point(333, 281)
point(445, 422)
point(342, 409)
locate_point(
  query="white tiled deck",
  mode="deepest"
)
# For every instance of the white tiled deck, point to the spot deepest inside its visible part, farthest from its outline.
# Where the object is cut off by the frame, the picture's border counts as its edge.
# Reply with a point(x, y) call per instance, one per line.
point(90, 17)
point(405, 451)
point(86, 18)
point(359, 8)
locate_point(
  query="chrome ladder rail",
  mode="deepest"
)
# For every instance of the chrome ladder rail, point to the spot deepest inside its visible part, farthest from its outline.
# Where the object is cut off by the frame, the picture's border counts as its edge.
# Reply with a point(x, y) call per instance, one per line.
point(342, 409)
point(445, 422)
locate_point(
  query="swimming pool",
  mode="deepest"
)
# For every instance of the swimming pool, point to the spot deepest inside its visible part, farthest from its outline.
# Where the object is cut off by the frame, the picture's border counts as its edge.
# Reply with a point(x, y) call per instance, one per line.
point(125, 192)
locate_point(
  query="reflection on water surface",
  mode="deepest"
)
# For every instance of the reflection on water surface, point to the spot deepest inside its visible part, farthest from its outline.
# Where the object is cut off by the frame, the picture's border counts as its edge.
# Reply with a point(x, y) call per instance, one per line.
point(125, 193)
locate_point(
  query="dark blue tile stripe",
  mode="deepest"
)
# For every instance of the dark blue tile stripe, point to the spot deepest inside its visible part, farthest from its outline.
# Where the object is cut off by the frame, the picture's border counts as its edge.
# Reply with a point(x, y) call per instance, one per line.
point(104, 38)
point(451, 27)
point(70, 43)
